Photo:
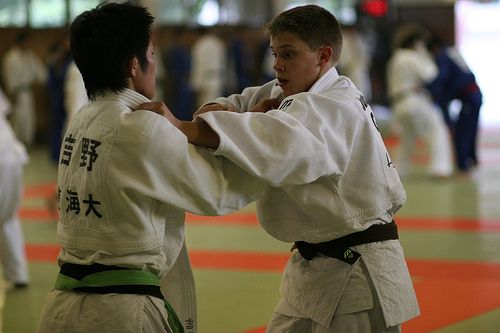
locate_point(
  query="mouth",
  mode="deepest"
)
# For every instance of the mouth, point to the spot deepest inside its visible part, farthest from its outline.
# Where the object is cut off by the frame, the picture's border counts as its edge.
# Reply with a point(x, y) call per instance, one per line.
point(282, 82)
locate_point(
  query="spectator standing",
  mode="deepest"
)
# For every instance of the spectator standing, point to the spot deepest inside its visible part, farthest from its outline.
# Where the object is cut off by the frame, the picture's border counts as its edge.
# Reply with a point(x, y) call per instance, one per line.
point(209, 62)
point(456, 81)
point(177, 60)
point(240, 59)
point(59, 61)
point(12, 253)
point(75, 94)
point(355, 60)
point(410, 68)
point(22, 69)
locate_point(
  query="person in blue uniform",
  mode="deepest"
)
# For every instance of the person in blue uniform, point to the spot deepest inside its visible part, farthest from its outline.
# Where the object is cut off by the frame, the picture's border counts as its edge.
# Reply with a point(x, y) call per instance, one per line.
point(177, 62)
point(456, 81)
point(57, 69)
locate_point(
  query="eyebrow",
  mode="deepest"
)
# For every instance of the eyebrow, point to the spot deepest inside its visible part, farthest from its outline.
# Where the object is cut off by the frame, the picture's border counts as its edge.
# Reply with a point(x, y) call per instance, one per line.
point(284, 46)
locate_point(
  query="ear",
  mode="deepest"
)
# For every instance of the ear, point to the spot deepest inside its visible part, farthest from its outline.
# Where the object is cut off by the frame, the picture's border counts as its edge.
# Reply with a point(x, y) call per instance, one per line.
point(133, 67)
point(325, 54)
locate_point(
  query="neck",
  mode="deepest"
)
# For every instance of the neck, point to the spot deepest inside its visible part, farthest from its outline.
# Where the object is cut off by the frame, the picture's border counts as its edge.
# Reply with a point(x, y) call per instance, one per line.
point(325, 69)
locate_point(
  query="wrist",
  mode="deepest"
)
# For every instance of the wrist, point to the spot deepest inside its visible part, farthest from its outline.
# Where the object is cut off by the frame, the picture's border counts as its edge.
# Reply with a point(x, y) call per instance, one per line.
point(199, 133)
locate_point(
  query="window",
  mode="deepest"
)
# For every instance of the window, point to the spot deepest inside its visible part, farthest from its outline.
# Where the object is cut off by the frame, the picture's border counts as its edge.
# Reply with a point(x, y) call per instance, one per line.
point(478, 39)
point(42, 13)
point(76, 7)
point(209, 13)
point(13, 13)
point(169, 12)
point(344, 10)
point(47, 13)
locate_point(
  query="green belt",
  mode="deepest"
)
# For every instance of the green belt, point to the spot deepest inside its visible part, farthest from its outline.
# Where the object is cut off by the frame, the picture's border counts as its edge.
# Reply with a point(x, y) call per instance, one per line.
point(111, 278)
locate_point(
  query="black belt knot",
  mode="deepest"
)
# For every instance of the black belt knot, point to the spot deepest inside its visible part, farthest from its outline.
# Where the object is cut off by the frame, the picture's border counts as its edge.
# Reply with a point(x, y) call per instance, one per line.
point(340, 248)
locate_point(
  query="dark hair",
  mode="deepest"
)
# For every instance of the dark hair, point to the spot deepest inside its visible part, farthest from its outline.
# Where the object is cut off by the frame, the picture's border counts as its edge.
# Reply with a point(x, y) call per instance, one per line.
point(105, 39)
point(314, 25)
point(410, 40)
point(435, 44)
point(408, 34)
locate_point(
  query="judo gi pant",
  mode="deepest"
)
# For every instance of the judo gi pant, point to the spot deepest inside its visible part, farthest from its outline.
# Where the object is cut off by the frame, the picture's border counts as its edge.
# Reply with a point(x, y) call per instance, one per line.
point(12, 253)
point(427, 124)
point(353, 321)
point(370, 321)
point(24, 117)
point(75, 312)
point(465, 132)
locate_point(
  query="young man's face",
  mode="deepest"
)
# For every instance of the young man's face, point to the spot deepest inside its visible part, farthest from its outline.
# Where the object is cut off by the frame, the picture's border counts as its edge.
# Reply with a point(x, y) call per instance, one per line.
point(146, 77)
point(295, 65)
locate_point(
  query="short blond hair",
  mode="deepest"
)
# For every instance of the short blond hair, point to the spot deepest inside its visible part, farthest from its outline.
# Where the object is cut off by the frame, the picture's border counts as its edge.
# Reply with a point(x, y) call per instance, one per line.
point(313, 24)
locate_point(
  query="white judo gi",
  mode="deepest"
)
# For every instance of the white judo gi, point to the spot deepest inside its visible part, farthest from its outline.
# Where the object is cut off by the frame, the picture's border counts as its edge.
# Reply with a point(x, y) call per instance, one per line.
point(22, 69)
point(407, 72)
point(355, 61)
point(13, 157)
point(75, 95)
point(329, 175)
point(209, 64)
point(125, 180)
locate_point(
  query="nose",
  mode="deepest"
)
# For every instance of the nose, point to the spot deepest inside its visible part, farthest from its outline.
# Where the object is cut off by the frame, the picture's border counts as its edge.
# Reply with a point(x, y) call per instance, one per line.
point(277, 65)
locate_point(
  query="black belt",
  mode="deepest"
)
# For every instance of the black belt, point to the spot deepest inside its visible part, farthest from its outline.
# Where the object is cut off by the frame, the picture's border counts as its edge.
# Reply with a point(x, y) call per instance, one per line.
point(340, 248)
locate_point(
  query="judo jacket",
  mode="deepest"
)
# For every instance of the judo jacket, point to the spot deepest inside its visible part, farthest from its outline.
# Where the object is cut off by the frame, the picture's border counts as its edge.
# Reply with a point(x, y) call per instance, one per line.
point(329, 175)
point(125, 181)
